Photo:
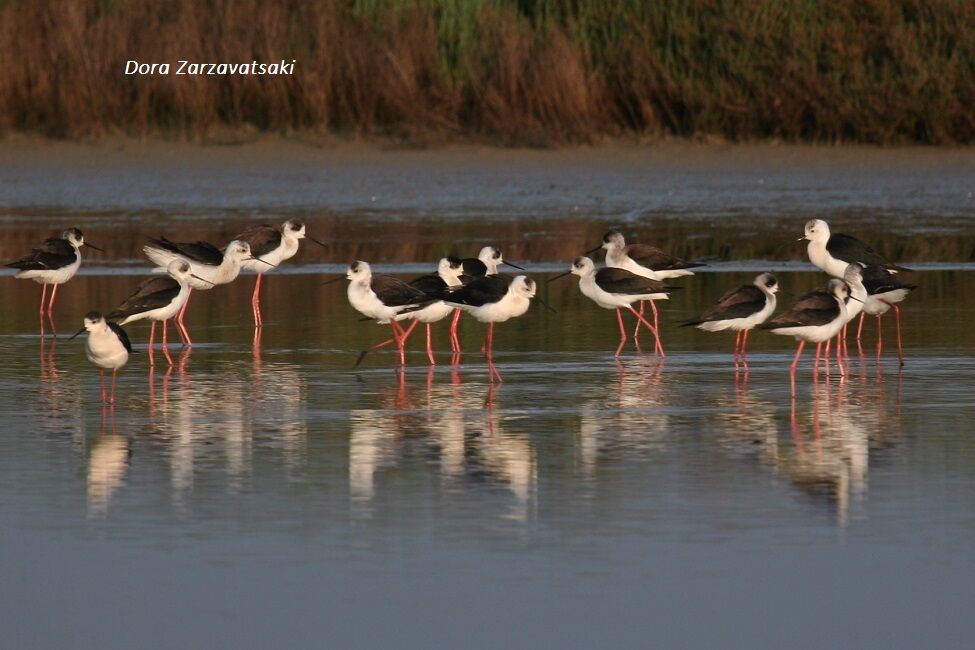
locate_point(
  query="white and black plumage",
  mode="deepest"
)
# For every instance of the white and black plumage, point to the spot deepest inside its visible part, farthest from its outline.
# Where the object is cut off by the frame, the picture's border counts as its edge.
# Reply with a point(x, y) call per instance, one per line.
point(449, 270)
point(273, 245)
point(815, 317)
point(832, 252)
point(884, 291)
point(158, 298)
point(487, 262)
point(54, 262)
point(209, 265)
point(493, 299)
point(740, 310)
point(382, 298)
point(108, 347)
point(615, 288)
point(647, 261)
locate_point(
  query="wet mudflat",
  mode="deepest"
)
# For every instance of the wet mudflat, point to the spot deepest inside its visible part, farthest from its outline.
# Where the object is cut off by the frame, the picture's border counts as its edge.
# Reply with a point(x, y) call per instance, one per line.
point(261, 489)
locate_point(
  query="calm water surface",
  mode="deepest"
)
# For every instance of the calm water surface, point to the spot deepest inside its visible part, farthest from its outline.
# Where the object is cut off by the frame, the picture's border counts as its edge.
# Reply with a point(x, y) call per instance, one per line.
point(262, 491)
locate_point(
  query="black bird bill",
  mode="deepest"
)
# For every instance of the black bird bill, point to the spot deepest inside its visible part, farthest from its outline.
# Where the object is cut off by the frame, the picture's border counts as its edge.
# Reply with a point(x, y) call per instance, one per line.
point(90, 245)
point(559, 276)
point(514, 266)
point(323, 245)
point(75, 335)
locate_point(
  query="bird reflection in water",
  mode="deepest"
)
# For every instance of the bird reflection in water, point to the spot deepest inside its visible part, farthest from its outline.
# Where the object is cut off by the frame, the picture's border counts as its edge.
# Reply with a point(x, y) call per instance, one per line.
point(830, 455)
point(632, 419)
point(108, 463)
point(456, 425)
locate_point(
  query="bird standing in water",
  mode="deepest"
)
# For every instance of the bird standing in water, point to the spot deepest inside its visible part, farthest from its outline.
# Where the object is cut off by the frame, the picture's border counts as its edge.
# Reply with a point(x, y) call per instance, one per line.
point(108, 347)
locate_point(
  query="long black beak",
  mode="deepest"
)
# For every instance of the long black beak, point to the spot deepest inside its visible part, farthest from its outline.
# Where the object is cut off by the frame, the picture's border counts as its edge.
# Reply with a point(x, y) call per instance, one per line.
point(316, 241)
point(546, 305)
point(593, 250)
point(857, 299)
point(90, 245)
point(194, 275)
point(254, 257)
point(341, 277)
point(560, 275)
point(75, 335)
point(515, 266)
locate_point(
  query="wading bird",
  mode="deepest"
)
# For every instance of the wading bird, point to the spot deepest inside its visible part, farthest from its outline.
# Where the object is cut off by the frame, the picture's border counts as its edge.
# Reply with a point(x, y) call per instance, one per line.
point(740, 309)
point(493, 299)
point(159, 298)
point(884, 291)
point(647, 261)
point(833, 252)
point(107, 347)
point(615, 288)
point(208, 264)
point(271, 245)
point(54, 262)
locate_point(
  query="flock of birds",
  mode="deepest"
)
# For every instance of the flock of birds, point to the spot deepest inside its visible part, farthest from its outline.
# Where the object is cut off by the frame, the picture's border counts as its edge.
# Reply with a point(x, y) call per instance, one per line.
point(861, 283)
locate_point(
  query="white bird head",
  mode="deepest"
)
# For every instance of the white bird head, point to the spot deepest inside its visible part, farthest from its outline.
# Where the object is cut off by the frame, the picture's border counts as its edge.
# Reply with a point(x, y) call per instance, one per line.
point(238, 250)
point(767, 282)
point(522, 286)
point(94, 322)
point(839, 289)
point(359, 271)
point(613, 239)
point(817, 230)
point(293, 228)
point(450, 269)
point(583, 267)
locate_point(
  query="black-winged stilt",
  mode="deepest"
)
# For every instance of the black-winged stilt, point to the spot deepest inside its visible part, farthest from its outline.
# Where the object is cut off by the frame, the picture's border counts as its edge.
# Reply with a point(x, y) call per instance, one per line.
point(884, 291)
point(740, 309)
point(647, 261)
point(209, 265)
point(54, 262)
point(615, 288)
point(159, 299)
point(383, 298)
point(832, 252)
point(493, 299)
point(271, 245)
point(107, 347)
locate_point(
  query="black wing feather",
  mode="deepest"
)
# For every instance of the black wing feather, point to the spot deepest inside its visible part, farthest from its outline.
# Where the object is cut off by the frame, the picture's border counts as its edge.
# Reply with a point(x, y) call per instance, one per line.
point(431, 284)
point(474, 267)
point(740, 302)
point(262, 239)
point(122, 336)
point(621, 281)
point(877, 280)
point(150, 294)
point(850, 250)
point(200, 251)
point(480, 291)
point(53, 253)
point(814, 308)
point(394, 292)
point(656, 260)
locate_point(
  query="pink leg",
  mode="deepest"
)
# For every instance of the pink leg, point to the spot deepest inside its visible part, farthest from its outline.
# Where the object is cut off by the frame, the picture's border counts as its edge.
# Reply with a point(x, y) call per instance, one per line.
point(152, 339)
point(795, 361)
point(863, 315)
point(50, 305)
point(182, 315)
point(737, 346)
point(826, 356)
point(43, 296)
point(636, 330)
point(897, 321)
point(656, 327)
point(744, 345)
point(819, 354)
point(256, 302)
point(454, 340)
point(183, 333)
point(880, 337)
point(650, 327)
point(101, 380)
point(619, 319)
point(165, 343)
point(114, 376)
point(493, 372)
point(433, 361)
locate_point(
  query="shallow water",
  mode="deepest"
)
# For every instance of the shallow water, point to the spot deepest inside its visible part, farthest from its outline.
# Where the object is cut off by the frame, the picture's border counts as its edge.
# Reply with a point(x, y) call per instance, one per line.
point(263, 489)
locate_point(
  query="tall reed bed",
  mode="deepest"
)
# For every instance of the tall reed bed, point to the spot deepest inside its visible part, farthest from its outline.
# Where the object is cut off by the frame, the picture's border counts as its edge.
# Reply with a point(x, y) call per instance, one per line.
point(514, 72)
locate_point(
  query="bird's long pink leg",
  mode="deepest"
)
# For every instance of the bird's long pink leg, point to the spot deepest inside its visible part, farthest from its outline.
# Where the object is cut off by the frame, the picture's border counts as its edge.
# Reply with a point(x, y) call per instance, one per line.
point(744, 346)
point(43, 296)
point(454, 340)
point(401, 340)
point(819, 352)
point(152, 339)
point(660, 348)
point(619, 319)
point(636, 330)
point(101, 380)
point(656, 326)
point(795, 361)
point(863, 315)
point(737, 345)
point(897, 321)
point(433, 361)
point(50, 306)
point(880, 337)
point(493, 372)
point(182, 315)
point(114, 376)
point(256, 302)
point(184, 334)
point(165, 343)
point(826, 355)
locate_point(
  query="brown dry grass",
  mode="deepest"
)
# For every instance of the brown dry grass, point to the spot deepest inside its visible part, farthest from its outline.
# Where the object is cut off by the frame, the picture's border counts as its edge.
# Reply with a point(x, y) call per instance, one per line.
point(543, 72)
